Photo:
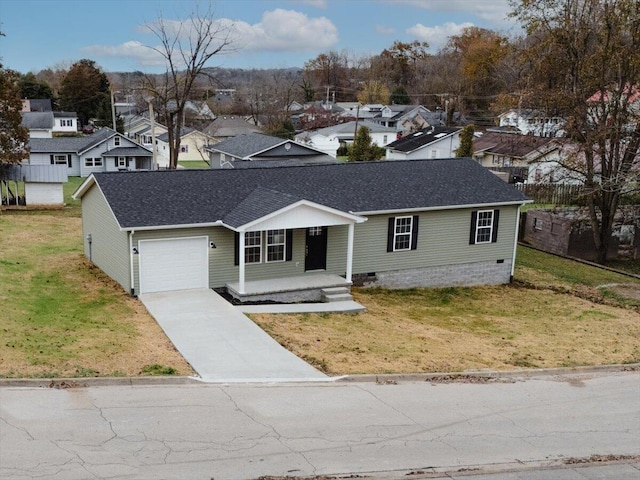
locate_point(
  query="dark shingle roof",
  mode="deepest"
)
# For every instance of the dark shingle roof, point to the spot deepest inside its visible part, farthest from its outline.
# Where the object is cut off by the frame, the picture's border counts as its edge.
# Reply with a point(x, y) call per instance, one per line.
point(128, 152)
point(421, 138)
point(186, 197)
point(510, 144)
point(69, 144)
point(246, 145)
point(37, 120)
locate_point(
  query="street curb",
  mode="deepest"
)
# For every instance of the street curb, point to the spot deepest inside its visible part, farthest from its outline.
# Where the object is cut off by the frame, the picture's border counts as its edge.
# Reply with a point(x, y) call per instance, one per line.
point(390, 378)
point(487, 374)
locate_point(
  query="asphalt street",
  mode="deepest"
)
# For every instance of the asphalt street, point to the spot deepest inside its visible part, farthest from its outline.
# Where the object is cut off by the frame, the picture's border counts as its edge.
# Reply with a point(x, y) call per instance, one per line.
point(243, 431)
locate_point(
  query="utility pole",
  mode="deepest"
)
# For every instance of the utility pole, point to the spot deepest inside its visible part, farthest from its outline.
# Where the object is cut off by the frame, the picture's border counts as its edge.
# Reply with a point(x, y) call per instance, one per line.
point(113, 111)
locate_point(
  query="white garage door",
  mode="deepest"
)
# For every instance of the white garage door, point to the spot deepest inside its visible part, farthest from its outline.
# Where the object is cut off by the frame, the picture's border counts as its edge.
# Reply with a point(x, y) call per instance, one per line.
point(176, 264)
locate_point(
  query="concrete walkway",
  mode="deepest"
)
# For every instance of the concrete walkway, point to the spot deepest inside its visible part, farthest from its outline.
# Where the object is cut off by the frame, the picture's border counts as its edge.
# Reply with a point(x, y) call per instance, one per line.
point(220, 343)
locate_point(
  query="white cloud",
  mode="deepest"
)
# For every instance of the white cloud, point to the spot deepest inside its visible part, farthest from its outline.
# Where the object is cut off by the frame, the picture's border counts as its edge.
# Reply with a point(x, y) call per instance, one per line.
point(134, 50)
point(382, 30)
point(285, 30)
point(437, 36)
point(278, 31)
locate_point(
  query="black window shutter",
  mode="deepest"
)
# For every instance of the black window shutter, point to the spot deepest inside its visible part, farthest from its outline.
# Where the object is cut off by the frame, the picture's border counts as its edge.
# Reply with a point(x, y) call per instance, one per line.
point(390, 233)
point(236, 248)
point(51, 158)
point(69, 160)
point(474, 222)
point(288, 245)
point(496, 217)
point(115, 162)
point(414, 233)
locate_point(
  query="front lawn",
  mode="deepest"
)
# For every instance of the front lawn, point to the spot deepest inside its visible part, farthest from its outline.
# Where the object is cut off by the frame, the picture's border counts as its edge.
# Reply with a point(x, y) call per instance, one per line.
point(58, 316)
point(61, 317)
point(554, 315)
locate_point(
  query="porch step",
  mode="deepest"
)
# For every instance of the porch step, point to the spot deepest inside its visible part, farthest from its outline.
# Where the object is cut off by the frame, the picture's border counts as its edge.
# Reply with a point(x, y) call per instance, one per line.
point(336, 294)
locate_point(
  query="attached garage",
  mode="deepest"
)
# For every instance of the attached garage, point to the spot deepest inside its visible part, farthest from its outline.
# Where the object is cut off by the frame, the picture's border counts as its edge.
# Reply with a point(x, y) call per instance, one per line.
point(173, 264)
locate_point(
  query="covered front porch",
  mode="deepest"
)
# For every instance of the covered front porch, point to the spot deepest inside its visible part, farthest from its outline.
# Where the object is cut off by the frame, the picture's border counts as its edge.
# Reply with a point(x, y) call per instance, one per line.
point(265, 241)
point(309, 287)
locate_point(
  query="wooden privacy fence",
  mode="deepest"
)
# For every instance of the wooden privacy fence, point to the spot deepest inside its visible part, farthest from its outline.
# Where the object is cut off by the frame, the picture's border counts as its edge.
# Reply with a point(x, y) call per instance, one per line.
point(548, 193)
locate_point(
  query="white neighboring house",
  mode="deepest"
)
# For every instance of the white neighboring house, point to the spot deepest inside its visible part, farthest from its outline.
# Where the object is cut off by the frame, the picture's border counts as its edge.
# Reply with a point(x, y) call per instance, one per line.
point(65, 122)
point(40, 124)
point(192, 147)
point(328, 139)
point(104, 151)
point(430, 142)
point(536, 159)
point(533, 122)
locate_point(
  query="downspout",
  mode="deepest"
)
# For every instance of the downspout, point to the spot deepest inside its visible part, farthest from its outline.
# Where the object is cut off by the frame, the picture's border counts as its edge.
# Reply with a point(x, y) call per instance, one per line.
point(132, 290)
point(241, 263)
point(515, 245)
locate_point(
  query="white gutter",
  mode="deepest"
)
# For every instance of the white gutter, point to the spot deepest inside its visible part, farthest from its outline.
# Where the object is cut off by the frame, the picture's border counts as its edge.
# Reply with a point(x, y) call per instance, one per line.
point(515, 244)
point(442, 207)
point(217, 223)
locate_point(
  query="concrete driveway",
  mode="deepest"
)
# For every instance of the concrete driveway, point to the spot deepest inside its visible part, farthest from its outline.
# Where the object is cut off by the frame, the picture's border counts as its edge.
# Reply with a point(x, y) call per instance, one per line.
point(222, 344)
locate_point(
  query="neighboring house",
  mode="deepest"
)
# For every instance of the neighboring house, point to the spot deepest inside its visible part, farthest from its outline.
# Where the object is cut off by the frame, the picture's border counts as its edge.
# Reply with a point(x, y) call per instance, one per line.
point(42, 183)
point(198, 110)
point(47, 124)
point(225, 127)
point(524, 157)
point(104, 151)
point(328, 139)
point(391, 224)
point(431, 142)
point(533, 122)
point(404, 118)
point(192, 147)
point(257, 149)
point(40, 124)
point(65, 123)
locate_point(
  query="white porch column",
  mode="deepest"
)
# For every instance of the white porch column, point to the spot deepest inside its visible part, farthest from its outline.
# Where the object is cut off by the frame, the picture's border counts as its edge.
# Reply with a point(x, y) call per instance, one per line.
point(350, 252)
point(241, 263)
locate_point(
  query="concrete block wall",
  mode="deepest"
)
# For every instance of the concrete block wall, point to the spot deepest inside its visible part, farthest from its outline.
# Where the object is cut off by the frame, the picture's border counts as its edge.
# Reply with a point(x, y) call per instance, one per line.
point(467, 275)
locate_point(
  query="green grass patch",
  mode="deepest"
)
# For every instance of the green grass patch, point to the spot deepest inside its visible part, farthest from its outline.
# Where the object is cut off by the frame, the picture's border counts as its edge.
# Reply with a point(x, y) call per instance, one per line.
point(536, 267)
point(157, 369)
point(194, 164)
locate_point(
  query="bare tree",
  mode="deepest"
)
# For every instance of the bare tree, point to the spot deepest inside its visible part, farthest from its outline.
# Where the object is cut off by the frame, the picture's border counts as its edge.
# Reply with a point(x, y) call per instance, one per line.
point(585, 63)
point(186, 47)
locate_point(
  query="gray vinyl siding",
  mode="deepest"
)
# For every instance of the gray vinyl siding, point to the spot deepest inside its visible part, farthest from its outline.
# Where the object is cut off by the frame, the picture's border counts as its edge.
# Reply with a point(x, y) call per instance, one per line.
point(443, 239)
point(110, 246)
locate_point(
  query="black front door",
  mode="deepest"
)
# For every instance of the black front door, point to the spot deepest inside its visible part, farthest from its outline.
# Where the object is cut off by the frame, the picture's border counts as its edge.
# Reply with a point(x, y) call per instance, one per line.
point(316, 249)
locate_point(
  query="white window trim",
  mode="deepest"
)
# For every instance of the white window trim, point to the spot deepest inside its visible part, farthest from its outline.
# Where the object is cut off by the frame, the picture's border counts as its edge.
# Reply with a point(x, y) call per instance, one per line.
point(483, 227)
point(396, 234)
point(122, 162)
point(267, 244)
point(60, 160)
point(116, 141)
point(247, 246)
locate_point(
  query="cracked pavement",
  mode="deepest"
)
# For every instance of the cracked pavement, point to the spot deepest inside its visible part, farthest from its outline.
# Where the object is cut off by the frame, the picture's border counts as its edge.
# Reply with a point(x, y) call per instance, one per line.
point(243, 431)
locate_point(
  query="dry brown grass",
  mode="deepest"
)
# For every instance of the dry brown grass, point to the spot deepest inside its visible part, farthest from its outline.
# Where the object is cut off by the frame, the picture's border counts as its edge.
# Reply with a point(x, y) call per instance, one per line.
point(452, 330)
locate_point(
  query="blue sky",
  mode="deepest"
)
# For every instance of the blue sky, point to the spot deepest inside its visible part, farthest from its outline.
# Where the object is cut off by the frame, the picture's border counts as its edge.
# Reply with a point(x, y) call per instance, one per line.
point(269, 33)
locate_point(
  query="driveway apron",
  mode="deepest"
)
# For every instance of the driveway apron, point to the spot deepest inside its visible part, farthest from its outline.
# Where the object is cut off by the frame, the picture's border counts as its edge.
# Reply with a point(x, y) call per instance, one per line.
point(220, 343)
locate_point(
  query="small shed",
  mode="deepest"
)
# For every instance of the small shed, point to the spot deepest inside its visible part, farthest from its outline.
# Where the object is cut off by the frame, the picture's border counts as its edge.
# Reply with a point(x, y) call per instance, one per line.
point(42, 183)
point(563, 232)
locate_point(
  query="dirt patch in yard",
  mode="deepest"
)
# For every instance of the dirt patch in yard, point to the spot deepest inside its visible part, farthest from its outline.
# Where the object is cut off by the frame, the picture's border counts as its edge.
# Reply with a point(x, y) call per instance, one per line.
point(461, 329)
